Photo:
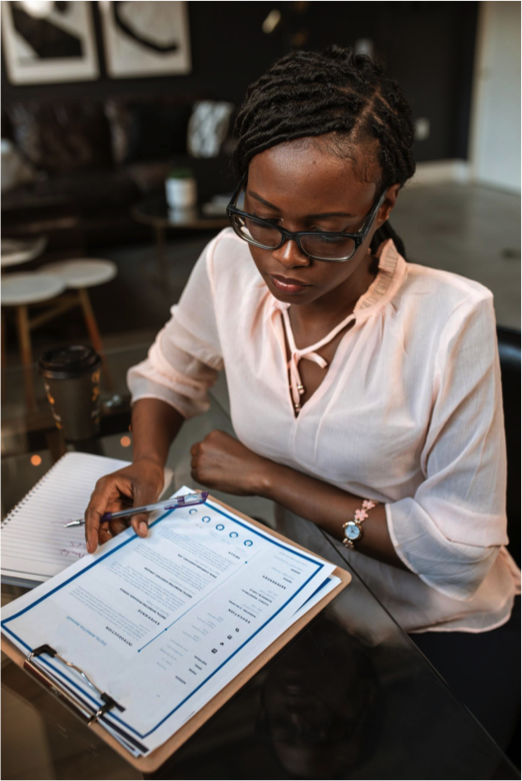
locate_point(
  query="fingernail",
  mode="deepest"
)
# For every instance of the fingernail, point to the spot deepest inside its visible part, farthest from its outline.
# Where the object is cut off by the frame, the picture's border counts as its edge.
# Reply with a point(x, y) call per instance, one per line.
point(143, 528)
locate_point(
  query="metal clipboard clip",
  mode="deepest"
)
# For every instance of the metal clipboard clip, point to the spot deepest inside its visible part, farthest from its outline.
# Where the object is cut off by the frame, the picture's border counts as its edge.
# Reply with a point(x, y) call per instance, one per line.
point(80, 709)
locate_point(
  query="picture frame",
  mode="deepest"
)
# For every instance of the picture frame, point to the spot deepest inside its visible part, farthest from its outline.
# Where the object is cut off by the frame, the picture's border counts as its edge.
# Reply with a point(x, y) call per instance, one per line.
point(55, 44)
point(143, 39)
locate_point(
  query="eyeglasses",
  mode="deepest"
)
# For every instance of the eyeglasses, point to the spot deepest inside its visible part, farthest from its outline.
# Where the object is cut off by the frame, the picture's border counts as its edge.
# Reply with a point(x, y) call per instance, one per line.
point(316, 245)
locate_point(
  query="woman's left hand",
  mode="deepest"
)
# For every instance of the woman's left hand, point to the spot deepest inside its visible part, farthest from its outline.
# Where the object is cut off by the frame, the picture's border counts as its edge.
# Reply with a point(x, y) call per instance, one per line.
point(221, 462)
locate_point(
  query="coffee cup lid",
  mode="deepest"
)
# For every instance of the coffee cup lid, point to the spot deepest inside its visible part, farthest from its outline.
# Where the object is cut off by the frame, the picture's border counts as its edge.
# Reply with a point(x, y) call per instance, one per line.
point(68, 362)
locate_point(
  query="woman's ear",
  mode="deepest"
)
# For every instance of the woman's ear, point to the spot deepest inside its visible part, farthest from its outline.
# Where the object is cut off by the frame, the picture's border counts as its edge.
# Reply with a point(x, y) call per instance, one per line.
point(388, 204)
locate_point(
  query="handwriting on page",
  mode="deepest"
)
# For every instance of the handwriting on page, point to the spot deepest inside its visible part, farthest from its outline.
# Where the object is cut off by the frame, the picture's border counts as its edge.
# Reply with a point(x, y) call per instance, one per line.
point(74, 550)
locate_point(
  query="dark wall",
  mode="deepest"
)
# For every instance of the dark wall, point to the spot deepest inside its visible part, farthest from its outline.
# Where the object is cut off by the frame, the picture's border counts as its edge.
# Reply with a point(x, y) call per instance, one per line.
point(428, 47)
point(229, 50)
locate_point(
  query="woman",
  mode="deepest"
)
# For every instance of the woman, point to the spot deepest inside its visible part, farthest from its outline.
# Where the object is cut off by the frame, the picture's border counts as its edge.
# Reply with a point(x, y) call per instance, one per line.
point(365, 391)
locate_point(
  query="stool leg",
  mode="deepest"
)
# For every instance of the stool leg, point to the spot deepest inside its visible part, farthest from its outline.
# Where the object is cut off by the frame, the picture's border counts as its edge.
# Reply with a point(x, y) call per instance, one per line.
point(26, 353)
point(94, 333)
point(2, 352)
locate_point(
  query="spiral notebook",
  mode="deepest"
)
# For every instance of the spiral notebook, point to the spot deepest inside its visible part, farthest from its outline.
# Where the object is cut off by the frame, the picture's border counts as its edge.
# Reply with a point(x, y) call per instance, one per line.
point(35, 546)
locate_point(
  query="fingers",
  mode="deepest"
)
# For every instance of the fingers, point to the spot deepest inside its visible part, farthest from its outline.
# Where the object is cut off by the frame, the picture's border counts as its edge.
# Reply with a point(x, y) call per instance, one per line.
point(104, 533)
point(118, 526)
point(93, 515)
point(201, 452)
point(107, 491)
point(144, 493)
point(130, 487)
point(109, 530)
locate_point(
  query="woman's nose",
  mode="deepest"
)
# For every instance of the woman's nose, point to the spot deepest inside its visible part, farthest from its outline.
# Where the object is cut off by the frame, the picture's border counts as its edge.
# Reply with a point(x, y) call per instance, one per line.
point(289, 255)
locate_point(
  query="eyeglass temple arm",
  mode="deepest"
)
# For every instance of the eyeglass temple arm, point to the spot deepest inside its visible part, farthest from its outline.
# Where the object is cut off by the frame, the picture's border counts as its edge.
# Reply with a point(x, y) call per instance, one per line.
point(238, 189)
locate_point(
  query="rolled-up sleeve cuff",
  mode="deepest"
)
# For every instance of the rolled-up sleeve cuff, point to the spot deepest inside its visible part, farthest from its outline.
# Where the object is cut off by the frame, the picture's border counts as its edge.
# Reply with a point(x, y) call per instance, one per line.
point(451, 568)
point(145, 388)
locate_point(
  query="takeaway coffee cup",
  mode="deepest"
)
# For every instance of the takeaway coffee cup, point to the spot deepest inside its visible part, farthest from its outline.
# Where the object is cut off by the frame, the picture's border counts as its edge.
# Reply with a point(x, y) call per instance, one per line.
point(71, 377)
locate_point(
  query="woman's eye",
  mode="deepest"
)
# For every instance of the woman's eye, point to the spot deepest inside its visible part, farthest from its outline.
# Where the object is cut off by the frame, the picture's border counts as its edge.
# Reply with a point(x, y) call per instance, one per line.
point(265, 219)
point(335, 239)
point(322, 230)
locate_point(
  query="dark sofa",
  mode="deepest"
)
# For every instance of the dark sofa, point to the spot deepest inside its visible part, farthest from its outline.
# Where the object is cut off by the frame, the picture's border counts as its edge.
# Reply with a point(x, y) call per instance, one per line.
point(94, 160)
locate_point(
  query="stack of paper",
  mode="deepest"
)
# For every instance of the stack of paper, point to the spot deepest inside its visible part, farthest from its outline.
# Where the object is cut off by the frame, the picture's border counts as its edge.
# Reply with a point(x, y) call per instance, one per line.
point(163, 624)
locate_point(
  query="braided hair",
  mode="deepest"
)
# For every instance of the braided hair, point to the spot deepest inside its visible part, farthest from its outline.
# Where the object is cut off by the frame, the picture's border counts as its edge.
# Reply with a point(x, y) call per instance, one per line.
point(335, 92)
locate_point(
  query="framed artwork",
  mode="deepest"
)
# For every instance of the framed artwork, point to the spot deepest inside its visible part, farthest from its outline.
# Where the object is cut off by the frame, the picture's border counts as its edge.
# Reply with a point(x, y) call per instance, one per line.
point(46, 42)
point(145, 38)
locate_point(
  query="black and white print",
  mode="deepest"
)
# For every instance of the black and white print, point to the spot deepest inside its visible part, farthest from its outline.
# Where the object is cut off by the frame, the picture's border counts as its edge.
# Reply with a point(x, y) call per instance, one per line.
point(145, 38)
point(47, 42)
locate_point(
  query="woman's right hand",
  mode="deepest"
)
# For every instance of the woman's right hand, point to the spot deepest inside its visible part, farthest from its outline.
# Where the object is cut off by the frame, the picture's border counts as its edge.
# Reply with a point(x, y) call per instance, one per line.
point(135, 485)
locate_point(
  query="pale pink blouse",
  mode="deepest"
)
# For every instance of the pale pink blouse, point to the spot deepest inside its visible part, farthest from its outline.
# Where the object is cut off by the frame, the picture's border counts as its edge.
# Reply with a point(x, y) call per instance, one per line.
point(409, 414)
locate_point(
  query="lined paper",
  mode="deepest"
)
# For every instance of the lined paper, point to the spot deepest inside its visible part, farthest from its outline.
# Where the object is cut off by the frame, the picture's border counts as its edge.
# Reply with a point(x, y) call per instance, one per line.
point(35, 546)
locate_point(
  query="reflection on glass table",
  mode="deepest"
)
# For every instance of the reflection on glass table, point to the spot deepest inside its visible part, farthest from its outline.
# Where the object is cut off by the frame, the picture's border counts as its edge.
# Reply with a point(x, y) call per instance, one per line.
point(155, 212)
point(350, 697)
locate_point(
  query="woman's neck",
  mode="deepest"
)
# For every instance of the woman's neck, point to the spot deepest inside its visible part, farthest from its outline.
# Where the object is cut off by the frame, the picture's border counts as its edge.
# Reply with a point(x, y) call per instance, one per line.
point(318, 318)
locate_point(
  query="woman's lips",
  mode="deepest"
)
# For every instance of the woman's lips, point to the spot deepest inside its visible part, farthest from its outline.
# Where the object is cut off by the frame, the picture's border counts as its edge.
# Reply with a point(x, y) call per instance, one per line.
point(287, 284)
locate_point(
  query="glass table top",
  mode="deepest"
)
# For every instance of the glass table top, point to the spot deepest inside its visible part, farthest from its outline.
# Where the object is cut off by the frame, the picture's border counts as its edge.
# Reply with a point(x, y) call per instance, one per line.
point(350, 697)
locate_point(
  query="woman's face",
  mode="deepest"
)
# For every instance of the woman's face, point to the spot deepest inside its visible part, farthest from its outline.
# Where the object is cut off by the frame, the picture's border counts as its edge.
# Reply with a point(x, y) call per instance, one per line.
point(304, 187)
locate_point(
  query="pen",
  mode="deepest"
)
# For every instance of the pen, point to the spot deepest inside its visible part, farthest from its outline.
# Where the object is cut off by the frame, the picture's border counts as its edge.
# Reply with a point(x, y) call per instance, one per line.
point(168, 504)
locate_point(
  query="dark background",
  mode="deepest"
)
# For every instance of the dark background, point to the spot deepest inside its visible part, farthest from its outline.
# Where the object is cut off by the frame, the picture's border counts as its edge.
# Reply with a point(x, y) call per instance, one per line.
point(427, 46)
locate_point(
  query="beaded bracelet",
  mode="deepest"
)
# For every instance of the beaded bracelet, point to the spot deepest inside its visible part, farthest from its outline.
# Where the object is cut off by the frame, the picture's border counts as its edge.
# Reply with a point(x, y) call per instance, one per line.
point(352, 529)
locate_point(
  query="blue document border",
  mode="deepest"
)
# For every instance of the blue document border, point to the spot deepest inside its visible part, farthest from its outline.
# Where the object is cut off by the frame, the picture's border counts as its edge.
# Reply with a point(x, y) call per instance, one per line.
point(134, 537)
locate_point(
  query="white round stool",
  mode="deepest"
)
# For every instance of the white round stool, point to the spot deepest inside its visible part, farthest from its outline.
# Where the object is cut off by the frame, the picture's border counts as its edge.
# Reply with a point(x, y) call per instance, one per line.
point(20, 290)
point(15, 251)
point(82, 273)
point(30, 287)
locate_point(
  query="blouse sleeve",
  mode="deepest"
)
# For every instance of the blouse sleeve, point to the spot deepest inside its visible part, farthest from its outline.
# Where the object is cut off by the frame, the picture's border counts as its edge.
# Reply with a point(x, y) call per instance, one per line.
point(185, 358)
point(449, 533)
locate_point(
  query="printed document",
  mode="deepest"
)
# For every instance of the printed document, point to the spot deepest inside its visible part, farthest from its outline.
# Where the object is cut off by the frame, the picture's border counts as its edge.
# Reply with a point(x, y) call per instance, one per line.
point(162, 624)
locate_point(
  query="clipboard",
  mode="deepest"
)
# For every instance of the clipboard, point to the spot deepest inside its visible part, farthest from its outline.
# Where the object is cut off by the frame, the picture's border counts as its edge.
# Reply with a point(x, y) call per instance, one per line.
point(160, 755)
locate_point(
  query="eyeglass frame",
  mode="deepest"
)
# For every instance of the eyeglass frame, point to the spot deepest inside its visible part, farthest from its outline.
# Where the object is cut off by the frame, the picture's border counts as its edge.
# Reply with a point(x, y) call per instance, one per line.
point(287, 235)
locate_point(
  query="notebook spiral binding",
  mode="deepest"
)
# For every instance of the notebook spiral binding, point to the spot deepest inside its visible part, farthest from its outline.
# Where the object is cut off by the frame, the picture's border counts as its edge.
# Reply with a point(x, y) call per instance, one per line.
point(10, 515)
point(90, 716)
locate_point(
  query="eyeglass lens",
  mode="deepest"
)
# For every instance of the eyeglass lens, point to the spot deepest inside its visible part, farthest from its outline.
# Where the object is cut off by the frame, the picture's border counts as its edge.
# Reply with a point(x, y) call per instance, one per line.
point(320, 246)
